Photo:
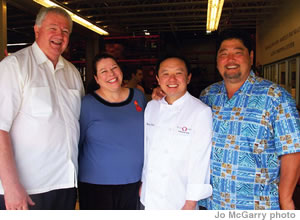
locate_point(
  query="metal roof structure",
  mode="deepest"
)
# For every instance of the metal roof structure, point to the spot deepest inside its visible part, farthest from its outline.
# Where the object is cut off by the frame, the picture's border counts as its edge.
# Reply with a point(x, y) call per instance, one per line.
point(133, 17)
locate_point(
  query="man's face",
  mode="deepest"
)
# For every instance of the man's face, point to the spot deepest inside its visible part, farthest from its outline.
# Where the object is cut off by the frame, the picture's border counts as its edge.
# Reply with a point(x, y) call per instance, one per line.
point(53, 35)
point(234, 61)
point(139, 75)
point(173, 78)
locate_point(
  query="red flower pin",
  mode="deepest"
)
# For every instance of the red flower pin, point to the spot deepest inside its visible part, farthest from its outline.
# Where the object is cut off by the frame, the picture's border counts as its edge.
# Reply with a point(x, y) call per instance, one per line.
point(138, 108)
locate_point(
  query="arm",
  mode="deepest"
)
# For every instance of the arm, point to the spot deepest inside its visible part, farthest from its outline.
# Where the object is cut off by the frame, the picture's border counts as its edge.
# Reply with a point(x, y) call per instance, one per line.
point(289, 175)
point(144, 171)
point(11, 93)
point(286, 124)
point(198, 182)
point(140, 190)
point(14, 193)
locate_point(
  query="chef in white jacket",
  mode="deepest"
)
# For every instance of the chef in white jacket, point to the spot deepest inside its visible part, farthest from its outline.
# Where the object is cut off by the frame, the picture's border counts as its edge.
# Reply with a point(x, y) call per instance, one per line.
point(178, 132)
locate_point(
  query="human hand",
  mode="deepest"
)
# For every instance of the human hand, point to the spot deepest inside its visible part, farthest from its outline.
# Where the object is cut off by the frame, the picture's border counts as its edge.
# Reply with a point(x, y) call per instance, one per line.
point(140, 190)
point(16, 198)
point(287, 205)
point(189, 205)
point(157, 93)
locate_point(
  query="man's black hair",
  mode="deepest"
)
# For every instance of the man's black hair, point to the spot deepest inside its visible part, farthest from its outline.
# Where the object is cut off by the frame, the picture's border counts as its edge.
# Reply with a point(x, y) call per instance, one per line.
point(186, 62)
point(239, 34)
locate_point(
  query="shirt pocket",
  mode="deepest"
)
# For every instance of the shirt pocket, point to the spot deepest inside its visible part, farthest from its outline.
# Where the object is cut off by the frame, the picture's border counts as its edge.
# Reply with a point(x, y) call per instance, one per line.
point(41, 104)
point(75, 102)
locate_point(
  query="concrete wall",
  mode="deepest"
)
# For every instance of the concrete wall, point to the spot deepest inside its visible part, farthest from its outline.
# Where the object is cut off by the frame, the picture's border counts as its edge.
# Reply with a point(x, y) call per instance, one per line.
point(279, 36)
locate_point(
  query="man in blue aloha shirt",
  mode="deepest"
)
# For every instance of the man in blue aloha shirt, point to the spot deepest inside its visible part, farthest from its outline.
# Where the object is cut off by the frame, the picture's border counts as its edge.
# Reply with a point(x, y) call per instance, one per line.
point(255, 156)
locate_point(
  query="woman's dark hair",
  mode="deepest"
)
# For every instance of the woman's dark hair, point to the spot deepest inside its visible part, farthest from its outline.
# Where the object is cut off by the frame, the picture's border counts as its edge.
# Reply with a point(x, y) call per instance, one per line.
point(99, 57)
point(241, 35)
point(187, 64)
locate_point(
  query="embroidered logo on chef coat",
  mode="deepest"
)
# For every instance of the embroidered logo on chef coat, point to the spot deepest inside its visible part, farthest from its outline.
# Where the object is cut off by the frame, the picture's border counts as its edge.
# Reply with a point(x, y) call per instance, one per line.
point(184, 130)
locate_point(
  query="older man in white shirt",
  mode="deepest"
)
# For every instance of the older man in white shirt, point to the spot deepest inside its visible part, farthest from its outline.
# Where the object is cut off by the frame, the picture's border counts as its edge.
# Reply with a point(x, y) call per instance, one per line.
point(40, 94)
point(178, 131)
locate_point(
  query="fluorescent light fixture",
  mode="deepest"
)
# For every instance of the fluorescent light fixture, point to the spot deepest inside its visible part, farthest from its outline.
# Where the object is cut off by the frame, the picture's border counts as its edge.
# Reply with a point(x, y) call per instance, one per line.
point(146, 32)
point(18, 44)
point(75, 18)
point(214, 11)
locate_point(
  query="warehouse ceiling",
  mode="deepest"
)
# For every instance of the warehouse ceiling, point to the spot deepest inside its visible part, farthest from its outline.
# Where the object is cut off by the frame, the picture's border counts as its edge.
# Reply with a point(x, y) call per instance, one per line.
point(133, 17)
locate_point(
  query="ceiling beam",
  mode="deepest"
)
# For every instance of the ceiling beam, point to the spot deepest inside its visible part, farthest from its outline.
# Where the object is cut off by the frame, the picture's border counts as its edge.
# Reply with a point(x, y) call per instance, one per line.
point(149, 12)
point(139, 5)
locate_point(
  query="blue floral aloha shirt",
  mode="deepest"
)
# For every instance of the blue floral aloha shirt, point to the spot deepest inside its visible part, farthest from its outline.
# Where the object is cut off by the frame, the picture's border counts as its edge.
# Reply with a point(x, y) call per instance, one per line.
point(251, 131)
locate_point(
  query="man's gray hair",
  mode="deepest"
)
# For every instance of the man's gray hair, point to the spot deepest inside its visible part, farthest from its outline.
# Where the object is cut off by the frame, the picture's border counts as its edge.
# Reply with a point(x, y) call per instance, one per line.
point(57, 10)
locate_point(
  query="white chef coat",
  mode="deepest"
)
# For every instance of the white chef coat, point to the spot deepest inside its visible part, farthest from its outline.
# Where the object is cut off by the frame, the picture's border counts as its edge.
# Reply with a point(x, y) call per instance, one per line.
point(177, 153)
point(40, 107)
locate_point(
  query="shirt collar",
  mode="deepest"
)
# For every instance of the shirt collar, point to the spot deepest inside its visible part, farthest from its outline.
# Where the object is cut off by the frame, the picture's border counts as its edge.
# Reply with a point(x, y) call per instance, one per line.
point(177, 104)
point(42, 58)
point(248, 84)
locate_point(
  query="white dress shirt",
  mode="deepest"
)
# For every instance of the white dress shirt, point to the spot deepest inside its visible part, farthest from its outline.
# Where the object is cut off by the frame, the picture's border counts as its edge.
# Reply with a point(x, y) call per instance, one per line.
point(177, 153)
point(40, 107)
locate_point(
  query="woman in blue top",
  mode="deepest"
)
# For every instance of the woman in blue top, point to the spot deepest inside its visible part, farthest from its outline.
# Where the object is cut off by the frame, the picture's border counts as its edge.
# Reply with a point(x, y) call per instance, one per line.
point(111, 146)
